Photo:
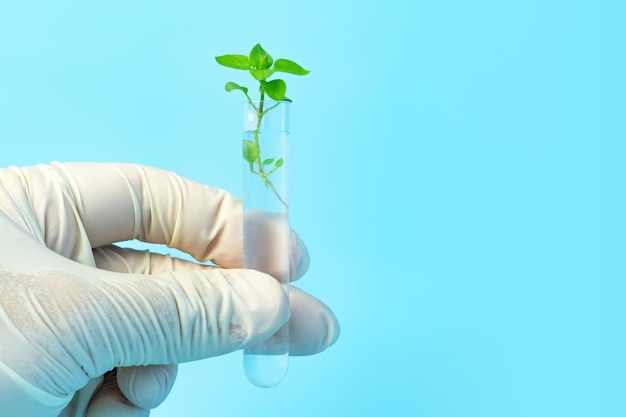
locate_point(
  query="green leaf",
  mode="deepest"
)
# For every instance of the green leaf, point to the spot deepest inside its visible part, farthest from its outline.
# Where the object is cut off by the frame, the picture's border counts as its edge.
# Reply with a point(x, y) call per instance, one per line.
point(285, 65)
point(268, 161)
point(259, 58)
point(250, 152)
point(234, 61)
point(279, 163)
point(230, 86)
point(261, 74)
point(276, 89)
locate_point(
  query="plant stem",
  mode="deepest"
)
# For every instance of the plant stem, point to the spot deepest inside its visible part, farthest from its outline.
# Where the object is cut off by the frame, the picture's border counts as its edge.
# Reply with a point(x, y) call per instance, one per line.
point(261, 173)
point(259, 118)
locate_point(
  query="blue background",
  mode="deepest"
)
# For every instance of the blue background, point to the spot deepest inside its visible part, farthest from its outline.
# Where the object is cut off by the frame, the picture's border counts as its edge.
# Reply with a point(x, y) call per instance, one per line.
point(459, 175)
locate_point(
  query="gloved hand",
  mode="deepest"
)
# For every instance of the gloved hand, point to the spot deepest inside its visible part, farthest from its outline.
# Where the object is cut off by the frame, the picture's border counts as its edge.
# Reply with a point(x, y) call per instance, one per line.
point(91, 329)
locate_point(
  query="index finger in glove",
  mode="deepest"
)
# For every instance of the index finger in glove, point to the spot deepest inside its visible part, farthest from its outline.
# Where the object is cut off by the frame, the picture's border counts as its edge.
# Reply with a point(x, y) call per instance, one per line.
point(118, 202)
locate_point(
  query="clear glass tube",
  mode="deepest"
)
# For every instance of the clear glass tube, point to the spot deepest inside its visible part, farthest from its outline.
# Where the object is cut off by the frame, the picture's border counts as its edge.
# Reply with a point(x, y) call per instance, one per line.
point(266, 223)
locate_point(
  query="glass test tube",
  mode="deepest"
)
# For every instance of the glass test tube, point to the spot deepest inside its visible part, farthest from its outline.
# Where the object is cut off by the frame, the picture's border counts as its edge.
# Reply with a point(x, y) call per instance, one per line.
point(266, 224)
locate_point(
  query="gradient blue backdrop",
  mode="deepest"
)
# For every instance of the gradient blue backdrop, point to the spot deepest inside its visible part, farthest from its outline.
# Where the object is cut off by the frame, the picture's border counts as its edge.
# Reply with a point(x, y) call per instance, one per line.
point(459, 175)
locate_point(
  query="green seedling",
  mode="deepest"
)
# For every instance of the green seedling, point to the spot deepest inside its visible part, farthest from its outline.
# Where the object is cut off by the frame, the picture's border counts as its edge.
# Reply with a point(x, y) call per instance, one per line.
point(261, 67)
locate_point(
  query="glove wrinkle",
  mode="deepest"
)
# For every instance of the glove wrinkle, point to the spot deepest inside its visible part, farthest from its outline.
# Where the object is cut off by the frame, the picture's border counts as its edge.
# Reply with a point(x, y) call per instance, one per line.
point(137, 209)
point(16, 202)
point(57, 213)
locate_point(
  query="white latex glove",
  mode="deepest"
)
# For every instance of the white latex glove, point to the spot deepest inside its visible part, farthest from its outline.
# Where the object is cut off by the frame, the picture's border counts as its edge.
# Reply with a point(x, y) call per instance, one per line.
point(90, 329)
